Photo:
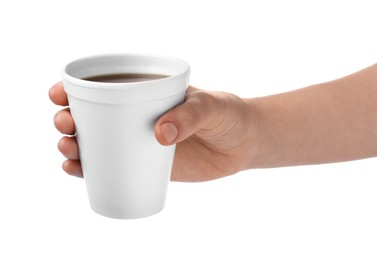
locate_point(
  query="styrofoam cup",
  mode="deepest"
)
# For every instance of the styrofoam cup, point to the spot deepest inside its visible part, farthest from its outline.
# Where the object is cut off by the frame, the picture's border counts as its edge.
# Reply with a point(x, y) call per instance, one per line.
point(125, 169)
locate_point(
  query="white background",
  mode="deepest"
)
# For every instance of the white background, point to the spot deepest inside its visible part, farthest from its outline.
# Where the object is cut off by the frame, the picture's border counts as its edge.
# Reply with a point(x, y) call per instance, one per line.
point(250, 48)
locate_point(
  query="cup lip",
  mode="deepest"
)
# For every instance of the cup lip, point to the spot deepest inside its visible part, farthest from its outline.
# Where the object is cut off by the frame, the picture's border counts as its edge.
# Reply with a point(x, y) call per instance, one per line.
point(122, 85)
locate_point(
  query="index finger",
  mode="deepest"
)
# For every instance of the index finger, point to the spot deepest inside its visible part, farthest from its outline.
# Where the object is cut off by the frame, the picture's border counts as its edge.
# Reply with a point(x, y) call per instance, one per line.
point(58, 95)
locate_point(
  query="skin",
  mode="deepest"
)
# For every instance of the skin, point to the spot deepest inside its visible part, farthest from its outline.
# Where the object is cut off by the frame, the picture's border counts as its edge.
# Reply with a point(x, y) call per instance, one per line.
point(219, 134)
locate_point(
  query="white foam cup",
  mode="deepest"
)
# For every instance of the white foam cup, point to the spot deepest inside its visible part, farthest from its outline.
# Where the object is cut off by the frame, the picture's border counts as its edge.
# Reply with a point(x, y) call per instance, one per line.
point(125, 169)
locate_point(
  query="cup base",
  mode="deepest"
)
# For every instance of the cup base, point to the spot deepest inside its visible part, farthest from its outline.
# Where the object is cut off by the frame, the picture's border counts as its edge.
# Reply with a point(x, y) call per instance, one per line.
point(127, 215)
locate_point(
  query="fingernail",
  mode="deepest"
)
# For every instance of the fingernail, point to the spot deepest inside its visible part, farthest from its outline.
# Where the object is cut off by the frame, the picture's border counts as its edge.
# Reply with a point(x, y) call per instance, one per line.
point(169, 131)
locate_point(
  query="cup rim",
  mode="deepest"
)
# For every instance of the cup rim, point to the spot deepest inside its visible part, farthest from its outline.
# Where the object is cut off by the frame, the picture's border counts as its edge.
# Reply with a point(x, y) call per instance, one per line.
point(122, 85)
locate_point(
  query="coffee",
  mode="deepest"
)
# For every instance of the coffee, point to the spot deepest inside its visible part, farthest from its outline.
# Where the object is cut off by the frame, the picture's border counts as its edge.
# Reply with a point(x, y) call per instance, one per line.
point(124, 77)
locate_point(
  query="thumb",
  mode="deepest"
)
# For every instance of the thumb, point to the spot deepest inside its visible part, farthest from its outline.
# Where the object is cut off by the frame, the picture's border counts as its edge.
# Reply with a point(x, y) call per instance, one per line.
point(186, 119)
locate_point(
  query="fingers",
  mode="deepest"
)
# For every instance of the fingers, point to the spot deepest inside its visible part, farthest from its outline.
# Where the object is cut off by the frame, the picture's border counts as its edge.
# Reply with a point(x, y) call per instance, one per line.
point(69, 148)
point(64, 122)
point(195, 113)
point(73, 167)
point(58, 95)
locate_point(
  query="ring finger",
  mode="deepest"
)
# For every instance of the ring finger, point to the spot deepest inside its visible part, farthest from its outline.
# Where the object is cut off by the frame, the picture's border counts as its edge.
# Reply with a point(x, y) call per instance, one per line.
point(69, 148)
point(64, 122)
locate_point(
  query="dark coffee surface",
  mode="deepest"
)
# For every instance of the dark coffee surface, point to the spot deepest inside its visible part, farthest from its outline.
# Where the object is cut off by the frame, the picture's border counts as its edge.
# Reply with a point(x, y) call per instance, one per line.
point(125, 78)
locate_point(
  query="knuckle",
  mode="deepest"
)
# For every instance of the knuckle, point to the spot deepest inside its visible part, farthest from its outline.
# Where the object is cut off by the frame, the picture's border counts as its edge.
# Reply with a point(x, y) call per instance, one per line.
point(199, 104)
point(193, 113)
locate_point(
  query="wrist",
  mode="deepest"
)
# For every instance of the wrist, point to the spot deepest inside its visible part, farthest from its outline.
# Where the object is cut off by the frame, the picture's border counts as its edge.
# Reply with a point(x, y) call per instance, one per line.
point(260, 150)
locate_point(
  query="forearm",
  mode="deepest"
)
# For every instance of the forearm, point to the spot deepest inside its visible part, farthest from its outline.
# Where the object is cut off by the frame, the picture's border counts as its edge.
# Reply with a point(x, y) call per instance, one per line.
point(329, 122)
